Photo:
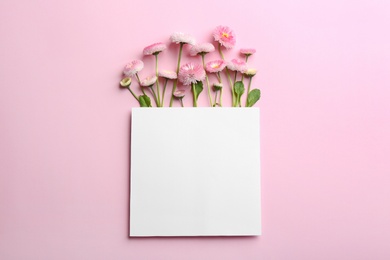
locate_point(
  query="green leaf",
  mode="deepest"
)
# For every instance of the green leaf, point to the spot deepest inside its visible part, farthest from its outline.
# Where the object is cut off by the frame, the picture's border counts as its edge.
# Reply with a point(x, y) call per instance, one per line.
point(198, 89)
point(253, 97)
point(144, 101)
point(239, 89)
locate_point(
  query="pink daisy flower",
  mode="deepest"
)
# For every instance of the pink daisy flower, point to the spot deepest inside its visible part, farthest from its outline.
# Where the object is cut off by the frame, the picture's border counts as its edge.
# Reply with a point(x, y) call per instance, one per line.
point(237, 65)
point(248, 51)
point(191, 73)
point(225, 36)
point(215, 66)
point(155, 48)
point(148, 81)
point(133, 68)
point(168, 74)
point(179, 37)
point(180, 93)
point(201, 49)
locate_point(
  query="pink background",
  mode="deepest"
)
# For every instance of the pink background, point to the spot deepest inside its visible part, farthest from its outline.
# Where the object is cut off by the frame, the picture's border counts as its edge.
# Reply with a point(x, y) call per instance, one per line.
point(64, 136)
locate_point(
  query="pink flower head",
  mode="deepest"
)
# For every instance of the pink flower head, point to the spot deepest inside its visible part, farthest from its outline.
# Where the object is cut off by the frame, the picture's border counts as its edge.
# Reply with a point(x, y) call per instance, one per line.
point(247, 52)
point(215, 66)
point(180, 93)
point(155, 48)
point(148, 81)
point(191, 73)
point(201, 49)
point(237, 65)
point(225, 36)
point(168, 74)
point(179, 37)
point(133, 68)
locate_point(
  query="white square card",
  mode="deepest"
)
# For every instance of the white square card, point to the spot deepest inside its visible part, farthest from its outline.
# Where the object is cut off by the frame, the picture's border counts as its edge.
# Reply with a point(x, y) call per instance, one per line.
point(195, 172)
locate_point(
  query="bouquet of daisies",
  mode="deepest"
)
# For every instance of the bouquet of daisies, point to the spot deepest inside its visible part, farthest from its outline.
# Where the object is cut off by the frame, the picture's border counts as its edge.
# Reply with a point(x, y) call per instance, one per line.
point(195, 75)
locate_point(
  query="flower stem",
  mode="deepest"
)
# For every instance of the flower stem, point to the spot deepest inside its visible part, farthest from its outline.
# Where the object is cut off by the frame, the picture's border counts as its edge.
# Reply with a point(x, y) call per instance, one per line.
point(177, 72)
point(215, 99)
point(228, 75)
point(220, 51)
point(157, 82)
point(248, 90)
point(220, 97)
point(194, 94)
point(181, 102)
point(246, 60)
point(139, 81)
point(219, 77)
point(238, 99)
point(163, 94)
point(133, 94)
point(154, 95)
point(207, 81)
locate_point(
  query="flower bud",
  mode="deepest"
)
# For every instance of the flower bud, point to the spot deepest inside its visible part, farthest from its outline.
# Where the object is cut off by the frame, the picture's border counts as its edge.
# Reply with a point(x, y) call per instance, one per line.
point(125, 82)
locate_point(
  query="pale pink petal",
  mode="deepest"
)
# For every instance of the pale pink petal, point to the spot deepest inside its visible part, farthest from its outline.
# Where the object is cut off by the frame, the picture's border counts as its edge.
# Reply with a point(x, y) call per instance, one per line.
point(133, 68)
point(179, 93)
point(215, 66)
point(154, 48)
point(148, 81)
point(247, 51)
point(179, 37)
point(201, 49)
point(237, 65)
point(191, 73)
point(168, 74)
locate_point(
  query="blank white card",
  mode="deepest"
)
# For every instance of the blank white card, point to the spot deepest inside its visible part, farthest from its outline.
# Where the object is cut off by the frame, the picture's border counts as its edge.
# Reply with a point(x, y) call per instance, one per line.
point(195, 172)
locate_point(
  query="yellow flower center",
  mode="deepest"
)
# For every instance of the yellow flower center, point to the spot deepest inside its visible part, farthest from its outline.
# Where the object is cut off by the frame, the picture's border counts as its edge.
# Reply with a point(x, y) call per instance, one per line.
point(226, 35)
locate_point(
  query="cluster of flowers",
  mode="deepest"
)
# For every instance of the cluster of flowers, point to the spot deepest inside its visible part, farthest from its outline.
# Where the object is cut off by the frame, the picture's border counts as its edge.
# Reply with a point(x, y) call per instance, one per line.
point(193, 75)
